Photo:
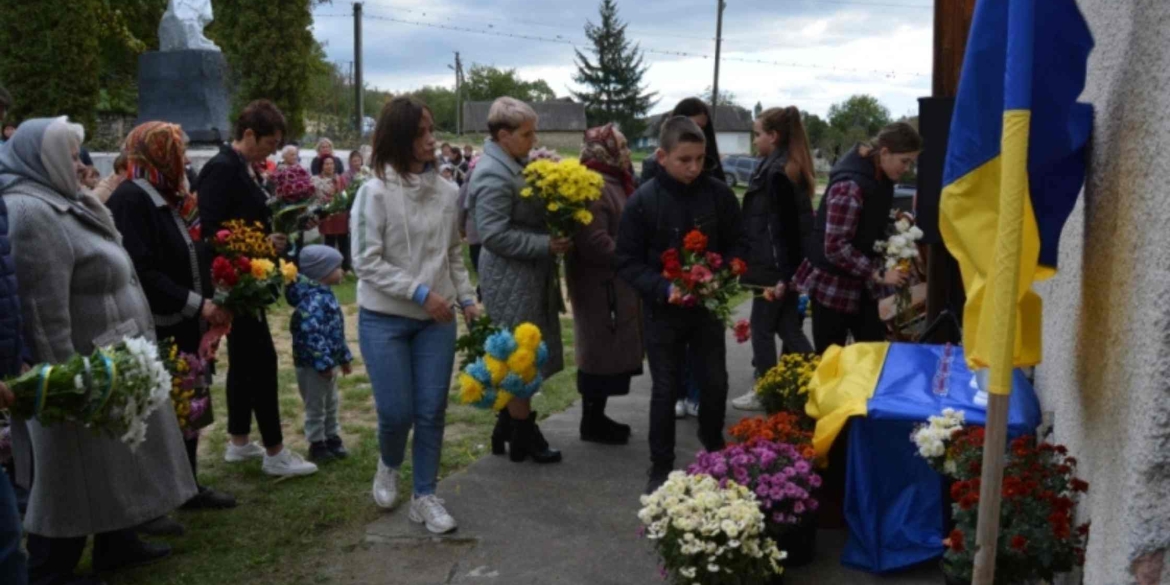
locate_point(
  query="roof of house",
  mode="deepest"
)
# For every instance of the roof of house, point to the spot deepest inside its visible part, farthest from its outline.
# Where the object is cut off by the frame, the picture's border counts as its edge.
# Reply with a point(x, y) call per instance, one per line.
point(727, 119)
point(555, 116)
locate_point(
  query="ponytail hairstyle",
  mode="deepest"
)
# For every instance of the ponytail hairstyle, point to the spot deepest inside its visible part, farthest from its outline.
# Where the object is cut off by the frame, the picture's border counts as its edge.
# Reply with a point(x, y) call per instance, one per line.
point(898, 138)
point(789, 129)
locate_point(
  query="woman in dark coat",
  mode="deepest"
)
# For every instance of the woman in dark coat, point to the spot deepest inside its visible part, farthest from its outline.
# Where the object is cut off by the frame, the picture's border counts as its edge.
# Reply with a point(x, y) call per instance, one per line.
point(607, 313)
point(231, 188)
point(159, 223)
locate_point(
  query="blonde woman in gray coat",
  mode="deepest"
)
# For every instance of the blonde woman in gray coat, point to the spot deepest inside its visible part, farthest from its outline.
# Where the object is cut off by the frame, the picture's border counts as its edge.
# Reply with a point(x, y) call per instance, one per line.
point(517, 265)
point(78, 290)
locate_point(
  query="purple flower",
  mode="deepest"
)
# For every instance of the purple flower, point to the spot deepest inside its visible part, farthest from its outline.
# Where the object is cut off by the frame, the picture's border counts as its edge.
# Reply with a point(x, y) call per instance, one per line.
point(789, 472)
point(798, 508)
point(814, 480)
point(802, 466)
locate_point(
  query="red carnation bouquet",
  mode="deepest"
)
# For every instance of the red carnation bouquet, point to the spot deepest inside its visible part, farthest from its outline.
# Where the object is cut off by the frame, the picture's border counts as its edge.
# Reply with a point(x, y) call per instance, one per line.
point(246, 275)
point(701, 277)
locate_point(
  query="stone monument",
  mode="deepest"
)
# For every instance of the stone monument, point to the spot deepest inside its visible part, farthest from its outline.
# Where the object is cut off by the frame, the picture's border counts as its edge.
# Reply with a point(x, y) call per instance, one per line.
point(183, 82)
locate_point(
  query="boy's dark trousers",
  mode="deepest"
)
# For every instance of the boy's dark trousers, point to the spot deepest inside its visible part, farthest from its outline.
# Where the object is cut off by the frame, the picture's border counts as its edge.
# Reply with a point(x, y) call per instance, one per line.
point(668, 332)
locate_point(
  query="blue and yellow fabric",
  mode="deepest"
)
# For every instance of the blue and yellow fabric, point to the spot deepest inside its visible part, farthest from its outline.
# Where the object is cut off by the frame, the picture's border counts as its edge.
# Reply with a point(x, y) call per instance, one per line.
point(880, 392)
point(1014, 167)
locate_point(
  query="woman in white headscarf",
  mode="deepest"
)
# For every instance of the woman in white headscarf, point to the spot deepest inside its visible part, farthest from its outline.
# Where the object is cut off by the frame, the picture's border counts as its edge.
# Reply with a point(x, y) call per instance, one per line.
point(78, 290)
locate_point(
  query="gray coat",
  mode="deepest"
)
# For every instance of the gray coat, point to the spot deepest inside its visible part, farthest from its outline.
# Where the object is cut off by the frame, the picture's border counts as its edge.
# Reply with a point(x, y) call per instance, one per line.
point(78, 290)
point(517, 271)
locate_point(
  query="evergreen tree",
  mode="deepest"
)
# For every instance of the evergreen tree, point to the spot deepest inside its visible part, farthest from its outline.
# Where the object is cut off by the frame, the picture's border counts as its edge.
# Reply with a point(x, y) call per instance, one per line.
point(759, 109)
point(49, 59)
point(271, 52)
point(614, 78)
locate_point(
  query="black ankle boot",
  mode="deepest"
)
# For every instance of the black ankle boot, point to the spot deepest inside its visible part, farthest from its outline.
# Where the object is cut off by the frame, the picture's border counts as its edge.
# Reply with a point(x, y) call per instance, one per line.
point(527, 441)
point(597, 428)
point(122, 550)
point(501, 433)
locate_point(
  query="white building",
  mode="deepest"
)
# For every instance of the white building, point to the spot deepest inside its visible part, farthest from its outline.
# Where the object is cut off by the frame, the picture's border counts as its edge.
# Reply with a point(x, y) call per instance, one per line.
point(733, 131)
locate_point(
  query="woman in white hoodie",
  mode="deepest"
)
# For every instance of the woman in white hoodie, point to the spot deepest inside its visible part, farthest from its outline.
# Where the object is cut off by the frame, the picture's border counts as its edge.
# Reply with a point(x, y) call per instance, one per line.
point(409, 260)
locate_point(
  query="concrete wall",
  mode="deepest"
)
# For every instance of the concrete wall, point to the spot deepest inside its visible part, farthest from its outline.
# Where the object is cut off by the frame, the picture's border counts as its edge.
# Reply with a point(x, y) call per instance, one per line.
point(1106, 370)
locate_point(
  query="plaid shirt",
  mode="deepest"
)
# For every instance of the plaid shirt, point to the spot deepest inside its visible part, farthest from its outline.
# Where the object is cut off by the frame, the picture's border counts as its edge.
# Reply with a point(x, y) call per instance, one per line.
point(835, 291)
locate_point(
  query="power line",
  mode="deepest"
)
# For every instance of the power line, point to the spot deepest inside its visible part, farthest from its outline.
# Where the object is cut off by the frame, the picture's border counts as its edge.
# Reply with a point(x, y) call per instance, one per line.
point(560, 39)
point(513, 21)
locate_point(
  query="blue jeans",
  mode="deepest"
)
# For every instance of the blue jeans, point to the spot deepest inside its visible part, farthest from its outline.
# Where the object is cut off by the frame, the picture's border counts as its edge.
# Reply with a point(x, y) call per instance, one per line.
point(409, 363)
point(13, 568)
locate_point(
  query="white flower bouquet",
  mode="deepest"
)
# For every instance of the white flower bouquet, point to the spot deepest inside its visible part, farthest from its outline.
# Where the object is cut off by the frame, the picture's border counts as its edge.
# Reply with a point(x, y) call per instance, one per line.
point(112, 391)
point(900, 252)
point(932, 439)
point(707, 534)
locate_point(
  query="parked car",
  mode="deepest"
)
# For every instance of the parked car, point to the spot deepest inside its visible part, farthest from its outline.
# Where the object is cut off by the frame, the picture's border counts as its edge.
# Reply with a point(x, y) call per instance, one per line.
point(905, 197)
point(739, 169)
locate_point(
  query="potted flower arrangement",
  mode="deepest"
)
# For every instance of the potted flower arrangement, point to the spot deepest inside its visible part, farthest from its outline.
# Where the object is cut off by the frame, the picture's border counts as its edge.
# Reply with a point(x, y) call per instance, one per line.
point(709, 532)
point(785, 387)
point(782, 427)
point(1037, 538)
point(783, 482)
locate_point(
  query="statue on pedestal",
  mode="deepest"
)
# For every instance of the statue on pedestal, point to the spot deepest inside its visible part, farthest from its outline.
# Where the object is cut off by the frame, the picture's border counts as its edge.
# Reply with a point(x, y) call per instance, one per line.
point(182, 25)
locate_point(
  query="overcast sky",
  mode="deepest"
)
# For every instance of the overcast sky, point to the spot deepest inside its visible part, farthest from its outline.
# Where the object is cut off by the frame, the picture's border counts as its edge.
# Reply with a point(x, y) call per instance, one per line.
point(821, 51)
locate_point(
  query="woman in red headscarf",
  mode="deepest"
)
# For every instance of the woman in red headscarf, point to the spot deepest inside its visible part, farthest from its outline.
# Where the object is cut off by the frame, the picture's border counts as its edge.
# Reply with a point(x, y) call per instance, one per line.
point(159, 222)
point(607, 313)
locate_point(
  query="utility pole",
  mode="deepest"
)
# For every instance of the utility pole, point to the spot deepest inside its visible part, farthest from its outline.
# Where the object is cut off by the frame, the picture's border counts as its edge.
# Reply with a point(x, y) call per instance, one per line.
point(358, 86)
point(458, 95)
point(718, 46)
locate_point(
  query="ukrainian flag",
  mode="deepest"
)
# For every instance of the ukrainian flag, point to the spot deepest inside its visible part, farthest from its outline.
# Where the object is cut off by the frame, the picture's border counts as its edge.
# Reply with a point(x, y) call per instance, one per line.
point(1015, 164)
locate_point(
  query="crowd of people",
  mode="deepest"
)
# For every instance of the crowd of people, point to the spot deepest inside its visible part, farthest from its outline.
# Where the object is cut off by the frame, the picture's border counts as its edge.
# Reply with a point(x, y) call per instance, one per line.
point(86, 260)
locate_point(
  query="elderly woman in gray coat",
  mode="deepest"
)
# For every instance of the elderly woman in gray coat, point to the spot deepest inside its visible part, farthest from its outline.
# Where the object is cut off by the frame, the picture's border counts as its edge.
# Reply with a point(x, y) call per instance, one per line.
point(517, 266)
point(78, 290)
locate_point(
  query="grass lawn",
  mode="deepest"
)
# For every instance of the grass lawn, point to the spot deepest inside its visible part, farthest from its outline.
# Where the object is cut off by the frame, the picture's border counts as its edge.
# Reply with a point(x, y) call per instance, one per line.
point(284, 530)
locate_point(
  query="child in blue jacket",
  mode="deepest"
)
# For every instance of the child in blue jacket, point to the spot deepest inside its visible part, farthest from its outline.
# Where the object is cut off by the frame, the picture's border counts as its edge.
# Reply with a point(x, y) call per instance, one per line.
point(319, 348)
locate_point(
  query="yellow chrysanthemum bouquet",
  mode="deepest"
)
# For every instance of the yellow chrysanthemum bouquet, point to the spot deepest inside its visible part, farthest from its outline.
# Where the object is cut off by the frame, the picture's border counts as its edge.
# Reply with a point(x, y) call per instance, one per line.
point(508, 366)
point(566, 188)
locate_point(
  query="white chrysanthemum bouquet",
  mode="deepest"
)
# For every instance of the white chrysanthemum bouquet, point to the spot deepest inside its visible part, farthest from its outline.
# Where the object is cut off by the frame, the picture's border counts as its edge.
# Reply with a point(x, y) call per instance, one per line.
point(112, 391)
point(708, 535)
point(932, 439)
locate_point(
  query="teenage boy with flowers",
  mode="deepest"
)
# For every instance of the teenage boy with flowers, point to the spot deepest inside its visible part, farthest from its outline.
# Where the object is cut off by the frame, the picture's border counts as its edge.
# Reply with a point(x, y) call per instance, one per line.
point(679, 200)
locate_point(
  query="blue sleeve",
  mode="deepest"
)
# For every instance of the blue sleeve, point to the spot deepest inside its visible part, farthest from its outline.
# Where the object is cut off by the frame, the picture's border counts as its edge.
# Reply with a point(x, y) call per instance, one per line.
point(420, 294)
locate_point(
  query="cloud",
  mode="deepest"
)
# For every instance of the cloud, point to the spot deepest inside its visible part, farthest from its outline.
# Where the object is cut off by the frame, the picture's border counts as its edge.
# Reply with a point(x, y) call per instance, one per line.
point(814, 54)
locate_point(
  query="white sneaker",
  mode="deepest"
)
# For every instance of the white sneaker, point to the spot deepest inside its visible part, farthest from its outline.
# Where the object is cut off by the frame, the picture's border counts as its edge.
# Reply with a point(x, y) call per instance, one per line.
point(287, 463)
point(429, 510)
point(748, 401)
point(680, 409)
point(692, 408)
point(385, 486)
point(236, 453)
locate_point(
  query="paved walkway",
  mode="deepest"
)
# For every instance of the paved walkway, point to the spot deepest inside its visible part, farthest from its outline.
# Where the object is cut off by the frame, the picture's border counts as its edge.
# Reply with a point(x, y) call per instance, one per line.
point(574, 523)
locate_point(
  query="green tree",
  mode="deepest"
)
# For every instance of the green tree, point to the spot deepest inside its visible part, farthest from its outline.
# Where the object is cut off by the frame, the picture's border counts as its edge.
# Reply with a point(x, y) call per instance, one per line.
point(613, 78)
point(486, 83)
point(441, 101)
point(859, 111)
point(271, 52)
point(49, 58)
point(814, 128)
point(726, 98)
point(130, 27)
point(756, 111)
